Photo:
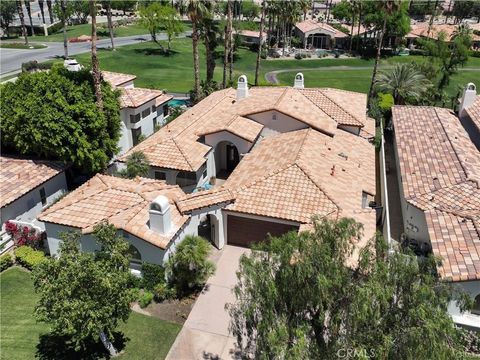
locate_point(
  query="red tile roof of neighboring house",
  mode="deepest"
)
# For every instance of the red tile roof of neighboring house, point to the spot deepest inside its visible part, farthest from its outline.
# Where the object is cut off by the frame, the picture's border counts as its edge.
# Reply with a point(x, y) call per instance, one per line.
point(117, 79)
point(313, 25)
point(421, 30)
point(473, 111)
point(135, 97)
point(20, 176)
point(440, 169)
point(121, 202)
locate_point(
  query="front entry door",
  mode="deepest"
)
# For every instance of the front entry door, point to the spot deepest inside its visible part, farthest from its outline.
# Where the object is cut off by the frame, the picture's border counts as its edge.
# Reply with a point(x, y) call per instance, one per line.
point(232, 157)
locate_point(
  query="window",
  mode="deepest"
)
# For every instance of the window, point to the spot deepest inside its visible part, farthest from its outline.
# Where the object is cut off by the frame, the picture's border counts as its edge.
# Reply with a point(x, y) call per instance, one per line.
point(203, 170)
point(186, 178)
point(366, 199)
point(43, 196)
point(136, 258)
point(165, 110)
point(476, 305)
point(160, 175)
point(136, 135)
point(146, 112)
point(134, 118)
point(154, 108)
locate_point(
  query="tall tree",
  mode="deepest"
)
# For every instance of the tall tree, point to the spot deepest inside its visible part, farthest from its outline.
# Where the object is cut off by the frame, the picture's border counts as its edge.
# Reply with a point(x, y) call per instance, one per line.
point(22, 20)
point(209, 33)
point(137, 164)
point(84, 296)
point(227, 42)
point(150, 19)
point(63, 9)
point(29, 14)
point(260, 42)
point(297, 299)
point(8, 9)
point(50, 11)
point(196, 10)
point(41, 5)
point(108, 5)
point(171, 23)
point(97, 76)
point(387, 7)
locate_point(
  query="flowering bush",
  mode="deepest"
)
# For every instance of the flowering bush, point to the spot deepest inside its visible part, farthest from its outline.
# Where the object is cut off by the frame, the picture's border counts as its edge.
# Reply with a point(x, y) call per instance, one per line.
point(24, 235)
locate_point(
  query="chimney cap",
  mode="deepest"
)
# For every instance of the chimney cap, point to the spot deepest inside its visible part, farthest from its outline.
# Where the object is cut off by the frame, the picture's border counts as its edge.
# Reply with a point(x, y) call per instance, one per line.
point(242, 79)
point(160, 203)
point(299, 81)
point(471, 86)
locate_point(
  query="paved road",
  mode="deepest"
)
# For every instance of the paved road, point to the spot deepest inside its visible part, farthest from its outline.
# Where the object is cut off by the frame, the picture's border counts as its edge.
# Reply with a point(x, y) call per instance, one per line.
point(11, 59)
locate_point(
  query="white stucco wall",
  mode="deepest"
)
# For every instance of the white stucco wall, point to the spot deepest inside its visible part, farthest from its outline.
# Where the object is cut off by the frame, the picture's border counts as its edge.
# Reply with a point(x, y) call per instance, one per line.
point(29, 206)
point(282, 124)
point(466, 319)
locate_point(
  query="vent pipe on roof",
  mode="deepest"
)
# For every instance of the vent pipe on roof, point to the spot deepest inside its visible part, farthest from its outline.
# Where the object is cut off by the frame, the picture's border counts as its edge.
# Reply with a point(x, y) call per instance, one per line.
point(242, 87)
point(160, 215)
point(298, 84)
point(468, 97)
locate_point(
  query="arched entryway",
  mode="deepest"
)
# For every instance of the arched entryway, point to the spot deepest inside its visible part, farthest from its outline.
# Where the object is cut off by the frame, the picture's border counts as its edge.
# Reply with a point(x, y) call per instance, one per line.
point(135, 258)
point(208, 228)
point(226, 159)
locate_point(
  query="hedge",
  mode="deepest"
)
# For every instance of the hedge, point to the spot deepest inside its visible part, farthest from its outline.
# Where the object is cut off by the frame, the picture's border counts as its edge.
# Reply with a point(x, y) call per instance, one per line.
point(5, 262)
point(28, 257)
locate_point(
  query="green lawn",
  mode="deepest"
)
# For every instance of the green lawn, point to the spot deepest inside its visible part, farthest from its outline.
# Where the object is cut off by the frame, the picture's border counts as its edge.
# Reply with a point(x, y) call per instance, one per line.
point(146, 337)
point(31, 46)
point(174, 73)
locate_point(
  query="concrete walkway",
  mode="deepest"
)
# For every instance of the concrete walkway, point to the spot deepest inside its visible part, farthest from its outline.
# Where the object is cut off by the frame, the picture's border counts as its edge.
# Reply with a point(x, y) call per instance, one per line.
point(205, 334)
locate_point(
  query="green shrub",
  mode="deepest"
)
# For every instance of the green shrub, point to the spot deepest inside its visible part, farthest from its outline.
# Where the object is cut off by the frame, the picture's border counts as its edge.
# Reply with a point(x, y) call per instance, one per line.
point(162, 292)
point(28, 257)
point(145, 299)
point(152, 275)
point(5, 262)
point(189, 268)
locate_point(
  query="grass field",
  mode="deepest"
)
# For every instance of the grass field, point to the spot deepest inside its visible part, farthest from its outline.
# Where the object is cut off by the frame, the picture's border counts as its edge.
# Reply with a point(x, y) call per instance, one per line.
point(31, 46)
point(174, 73)
point(22, 337)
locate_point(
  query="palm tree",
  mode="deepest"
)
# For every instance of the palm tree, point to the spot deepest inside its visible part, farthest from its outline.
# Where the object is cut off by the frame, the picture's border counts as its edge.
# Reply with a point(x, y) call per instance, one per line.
point(29, 14)
point(228, 40)
point(63, 7)
point(387, 7)
point(22, 20)
point(196, 10)
point(403, 82)
point(260, 42)
point(50, 10)
point(209, 32)
point(97, 76)
point(108, 5)
point(40, 3)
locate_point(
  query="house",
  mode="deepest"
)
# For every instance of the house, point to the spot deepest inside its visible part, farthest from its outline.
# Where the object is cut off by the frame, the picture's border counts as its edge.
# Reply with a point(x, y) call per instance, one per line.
point(142, 110)
point(282, 155)
point(26, 188)
point(319, 35)
point(423, 30)
point(249, 37)
point(438, 170)
point(469, 113)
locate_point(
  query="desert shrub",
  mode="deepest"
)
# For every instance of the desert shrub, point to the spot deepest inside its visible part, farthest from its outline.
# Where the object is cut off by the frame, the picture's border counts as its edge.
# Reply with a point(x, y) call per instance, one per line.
point(28, 257)
point(152, 275)
point(189, 268)
point(162, 292)
point(145, 299)
point(5, 262)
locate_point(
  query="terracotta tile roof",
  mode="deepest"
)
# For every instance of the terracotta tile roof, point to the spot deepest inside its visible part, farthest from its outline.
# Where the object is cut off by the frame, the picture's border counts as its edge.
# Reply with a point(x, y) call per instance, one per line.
point(473, 111)
point(135, 97)
point(421, 30)
point(312, 25)
point(163, 99)
point(20, 176)
point(122, 202)
point(117, 79)
point(440, 170)
point(176, 145)
point(250, 33)
point(204, 199)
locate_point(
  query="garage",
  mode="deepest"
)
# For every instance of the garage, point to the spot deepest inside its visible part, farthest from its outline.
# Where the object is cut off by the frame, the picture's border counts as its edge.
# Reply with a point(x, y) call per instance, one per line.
point(242, 231)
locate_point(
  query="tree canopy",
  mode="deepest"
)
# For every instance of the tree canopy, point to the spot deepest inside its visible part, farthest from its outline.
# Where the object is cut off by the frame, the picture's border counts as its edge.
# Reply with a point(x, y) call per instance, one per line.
point(137, 164)
point(53, 115)
point(8, 10)
point(296, 299)
point(84, 295)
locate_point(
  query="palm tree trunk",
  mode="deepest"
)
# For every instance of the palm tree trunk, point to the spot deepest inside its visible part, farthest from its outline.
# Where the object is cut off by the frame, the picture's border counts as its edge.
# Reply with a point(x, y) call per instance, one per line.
point(97, 76)
point(377, 59)
point(50, 11)
point(359, 22)
point(228, 30)
point(351, 29)
point(196, 68)
point(29, 14)
point(63, 6)
point(22, 20)
point(260, 43)
point(110, 23)
point(40, 3)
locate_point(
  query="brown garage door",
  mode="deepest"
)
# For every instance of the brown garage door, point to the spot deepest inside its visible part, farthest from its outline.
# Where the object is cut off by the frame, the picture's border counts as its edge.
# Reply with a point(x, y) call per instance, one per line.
point(243, 231)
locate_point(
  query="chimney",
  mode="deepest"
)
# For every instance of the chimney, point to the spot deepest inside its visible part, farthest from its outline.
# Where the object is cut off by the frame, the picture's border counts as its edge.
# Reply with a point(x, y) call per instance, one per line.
point(298, 81)
point(468, 97)
point(160, 215)
point(242, 87)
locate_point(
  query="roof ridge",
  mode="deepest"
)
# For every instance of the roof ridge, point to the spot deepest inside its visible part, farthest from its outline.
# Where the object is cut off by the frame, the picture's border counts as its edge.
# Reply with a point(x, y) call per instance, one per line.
point(300, 149)
point(281, 96)
point(340, 107)
point(183, 154)
point(264, 177)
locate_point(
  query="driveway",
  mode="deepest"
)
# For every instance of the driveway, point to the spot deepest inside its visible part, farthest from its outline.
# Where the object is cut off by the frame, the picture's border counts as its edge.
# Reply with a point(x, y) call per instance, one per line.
point(205, 334)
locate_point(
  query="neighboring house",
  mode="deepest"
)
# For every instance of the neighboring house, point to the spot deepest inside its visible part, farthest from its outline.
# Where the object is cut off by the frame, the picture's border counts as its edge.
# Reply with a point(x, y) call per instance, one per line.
point(438, 170)
point(283, 155)
point(469, 113)
point(28, 186)
point(141, 109)
point(319, 35)
point(423, 30)
point(249, 37)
